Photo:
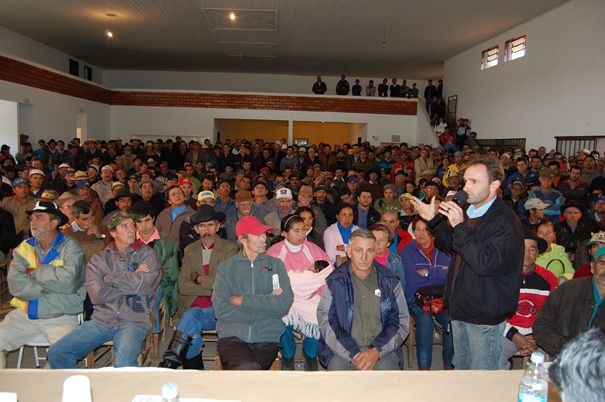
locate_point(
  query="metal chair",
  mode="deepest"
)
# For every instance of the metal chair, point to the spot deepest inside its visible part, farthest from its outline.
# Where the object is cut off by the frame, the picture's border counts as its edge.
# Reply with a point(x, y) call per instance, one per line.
point(39, 341)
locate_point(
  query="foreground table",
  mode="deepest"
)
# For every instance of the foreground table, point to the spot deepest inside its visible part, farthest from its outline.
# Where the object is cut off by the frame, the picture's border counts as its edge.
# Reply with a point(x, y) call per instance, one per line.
point(118, 385)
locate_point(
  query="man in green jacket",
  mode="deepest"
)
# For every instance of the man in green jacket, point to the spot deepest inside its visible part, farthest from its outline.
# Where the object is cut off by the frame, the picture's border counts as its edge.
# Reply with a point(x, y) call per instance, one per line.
point(46, 278)
point(251, 294)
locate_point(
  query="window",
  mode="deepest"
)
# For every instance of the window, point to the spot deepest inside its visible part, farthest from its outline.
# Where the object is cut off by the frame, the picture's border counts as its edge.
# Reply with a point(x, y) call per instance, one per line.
point(514, 48)
point(489, 57)
point(88, 73)
point(74, 67)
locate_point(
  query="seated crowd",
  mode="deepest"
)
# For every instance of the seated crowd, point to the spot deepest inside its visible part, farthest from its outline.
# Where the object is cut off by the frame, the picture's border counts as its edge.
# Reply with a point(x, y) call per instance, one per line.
point(269, 242)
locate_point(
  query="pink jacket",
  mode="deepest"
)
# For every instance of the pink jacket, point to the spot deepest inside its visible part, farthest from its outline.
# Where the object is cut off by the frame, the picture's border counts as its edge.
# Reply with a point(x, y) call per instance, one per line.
point(332, 239)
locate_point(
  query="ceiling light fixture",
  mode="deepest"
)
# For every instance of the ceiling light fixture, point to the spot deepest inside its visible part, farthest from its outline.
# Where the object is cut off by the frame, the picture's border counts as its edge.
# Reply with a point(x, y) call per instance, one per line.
point(109, 32)
point(232, 16)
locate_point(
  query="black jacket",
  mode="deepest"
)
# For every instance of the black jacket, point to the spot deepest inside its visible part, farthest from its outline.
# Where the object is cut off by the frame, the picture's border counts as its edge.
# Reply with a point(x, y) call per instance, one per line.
point(373, 216)
point(565, 314)
point(487, 260)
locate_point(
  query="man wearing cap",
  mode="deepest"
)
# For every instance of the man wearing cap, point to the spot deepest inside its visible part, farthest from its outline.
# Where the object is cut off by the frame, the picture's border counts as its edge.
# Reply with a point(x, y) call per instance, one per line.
point(389, 201)
point(597, 240)
point(251, 294)
point(103, 186)
point(187, 186)
point(196, 281)
point(170, 219)
point(121, 281)
point(516, 197)
point(283, 202)
point(36, 182)
point(84, 191)
point(187, 233)
point(535, 214)
point(305, 199)
point(18, 204)
point(536, 285)
point(574, 307)
point(549, 195)
point(121, 202)
point(46, 277)
point(148, 190)
point(262, 205)
point(243, 204)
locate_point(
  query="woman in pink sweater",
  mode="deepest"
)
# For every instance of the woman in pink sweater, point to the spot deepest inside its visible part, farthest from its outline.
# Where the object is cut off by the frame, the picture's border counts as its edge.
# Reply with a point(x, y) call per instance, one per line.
point(307, 279)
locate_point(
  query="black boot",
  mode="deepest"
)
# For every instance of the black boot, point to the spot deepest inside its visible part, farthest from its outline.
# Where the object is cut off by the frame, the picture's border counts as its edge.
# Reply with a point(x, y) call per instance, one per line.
point(177, 350)
point(311, 363)
point(195, 363)
point(287, 364)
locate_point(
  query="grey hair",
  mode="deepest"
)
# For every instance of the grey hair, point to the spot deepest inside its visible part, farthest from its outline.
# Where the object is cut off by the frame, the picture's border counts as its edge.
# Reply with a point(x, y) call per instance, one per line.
point(362, 234)
point(580, 368)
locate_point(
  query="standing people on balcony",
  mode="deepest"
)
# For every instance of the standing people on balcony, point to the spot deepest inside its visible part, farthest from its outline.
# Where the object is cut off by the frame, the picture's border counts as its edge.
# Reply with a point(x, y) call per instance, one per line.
point(342, 88)
point(383, 89)
point(319, 87)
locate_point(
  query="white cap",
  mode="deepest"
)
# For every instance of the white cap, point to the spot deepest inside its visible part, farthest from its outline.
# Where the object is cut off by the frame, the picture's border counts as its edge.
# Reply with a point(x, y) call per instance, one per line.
point(107, 167)
point(63, 165)
point(537, 357)
point(283, 193)
point(36, 171)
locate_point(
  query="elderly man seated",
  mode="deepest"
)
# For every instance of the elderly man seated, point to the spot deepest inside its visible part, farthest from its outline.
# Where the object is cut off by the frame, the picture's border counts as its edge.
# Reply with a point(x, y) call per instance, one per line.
point(363, 316)
point(46, 277)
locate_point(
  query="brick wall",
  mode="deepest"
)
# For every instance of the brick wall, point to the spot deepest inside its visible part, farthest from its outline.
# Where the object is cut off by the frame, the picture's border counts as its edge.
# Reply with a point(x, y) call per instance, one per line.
point(25, 74)
point(36, 77)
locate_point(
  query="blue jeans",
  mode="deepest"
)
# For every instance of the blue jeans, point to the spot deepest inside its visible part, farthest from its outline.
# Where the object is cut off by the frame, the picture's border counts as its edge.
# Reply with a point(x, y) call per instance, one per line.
point(193, 322)
point(424, 336)
point(127, 344)
point(476, 346)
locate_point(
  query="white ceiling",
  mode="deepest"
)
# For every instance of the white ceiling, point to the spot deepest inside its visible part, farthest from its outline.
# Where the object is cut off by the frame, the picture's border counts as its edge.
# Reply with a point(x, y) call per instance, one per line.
point(409, 38)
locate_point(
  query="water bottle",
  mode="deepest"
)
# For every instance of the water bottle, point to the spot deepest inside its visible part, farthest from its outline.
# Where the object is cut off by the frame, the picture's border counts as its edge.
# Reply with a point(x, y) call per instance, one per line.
point(534, 384)
point(170, 393)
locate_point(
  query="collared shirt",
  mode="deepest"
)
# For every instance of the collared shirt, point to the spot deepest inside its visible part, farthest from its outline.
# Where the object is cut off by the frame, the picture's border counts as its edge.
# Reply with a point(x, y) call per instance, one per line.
point(367, 324)
point(474, 212)
point(175, 212)
point(154, 236)
point(76, 228)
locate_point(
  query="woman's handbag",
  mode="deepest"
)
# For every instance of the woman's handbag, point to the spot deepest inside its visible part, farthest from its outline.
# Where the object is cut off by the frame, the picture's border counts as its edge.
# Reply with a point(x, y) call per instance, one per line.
point(430, 299)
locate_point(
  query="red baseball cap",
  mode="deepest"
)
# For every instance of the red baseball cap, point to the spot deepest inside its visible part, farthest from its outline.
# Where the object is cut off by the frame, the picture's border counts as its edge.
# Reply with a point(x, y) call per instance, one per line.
point(250, 225)
point(185, 180)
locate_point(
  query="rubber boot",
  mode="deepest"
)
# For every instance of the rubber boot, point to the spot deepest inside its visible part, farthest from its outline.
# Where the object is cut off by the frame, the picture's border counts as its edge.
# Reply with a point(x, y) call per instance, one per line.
point(311, 363)
point(195, 363)
point(177, 350)
point(287, 364)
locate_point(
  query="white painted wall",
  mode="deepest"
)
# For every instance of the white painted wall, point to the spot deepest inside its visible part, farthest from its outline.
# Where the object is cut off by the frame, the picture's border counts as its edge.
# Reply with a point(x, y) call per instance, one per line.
point(15, 44)
point(9, 125)
point(240, 82)
point(556, 89)
point(53, 115)
point(146, 121)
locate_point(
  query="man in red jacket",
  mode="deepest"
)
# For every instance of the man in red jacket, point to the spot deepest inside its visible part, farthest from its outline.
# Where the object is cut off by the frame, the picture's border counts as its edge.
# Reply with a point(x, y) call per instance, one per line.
point(537, 284)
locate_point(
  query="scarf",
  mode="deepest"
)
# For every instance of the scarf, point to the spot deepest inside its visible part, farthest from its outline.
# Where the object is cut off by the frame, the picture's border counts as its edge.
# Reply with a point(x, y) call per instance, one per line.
point(428, 252)
point(344, 232)
point(175, 212)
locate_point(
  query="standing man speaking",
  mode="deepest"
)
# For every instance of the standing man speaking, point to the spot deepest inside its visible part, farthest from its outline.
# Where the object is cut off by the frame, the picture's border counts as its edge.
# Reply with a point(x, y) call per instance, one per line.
point(487, 249)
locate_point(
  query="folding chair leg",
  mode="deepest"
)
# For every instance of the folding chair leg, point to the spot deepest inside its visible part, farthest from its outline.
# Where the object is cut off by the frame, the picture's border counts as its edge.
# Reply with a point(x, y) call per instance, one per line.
point(20, 358)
